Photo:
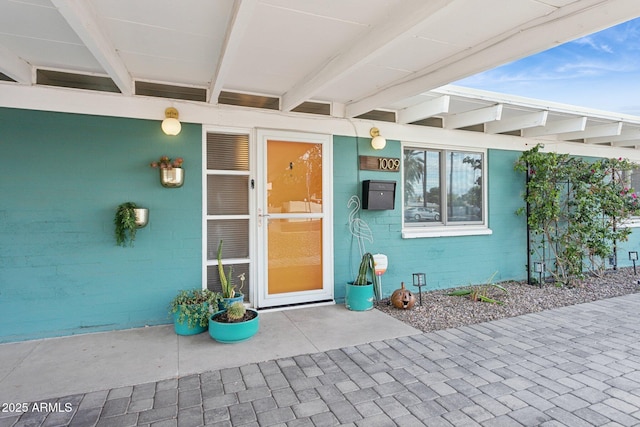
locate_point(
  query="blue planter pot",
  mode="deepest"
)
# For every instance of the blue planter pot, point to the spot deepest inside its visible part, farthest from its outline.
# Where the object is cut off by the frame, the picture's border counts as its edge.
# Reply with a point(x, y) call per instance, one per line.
point(184, 328)
point(359, 298)
point(226, 302)
point(233, 332)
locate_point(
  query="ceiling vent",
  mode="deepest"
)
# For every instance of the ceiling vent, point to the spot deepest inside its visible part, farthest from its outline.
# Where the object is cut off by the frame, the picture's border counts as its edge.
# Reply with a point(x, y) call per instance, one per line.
point(247, 100)
point(76, 81)
point(379, 115)
point(169, 91)
point(5, 78)
point(435, 122)
point(320, 108)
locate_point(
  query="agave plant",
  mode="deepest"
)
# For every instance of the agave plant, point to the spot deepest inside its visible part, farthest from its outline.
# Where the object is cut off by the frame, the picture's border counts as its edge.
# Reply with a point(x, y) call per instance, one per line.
point(226, 279)
point(479, 293)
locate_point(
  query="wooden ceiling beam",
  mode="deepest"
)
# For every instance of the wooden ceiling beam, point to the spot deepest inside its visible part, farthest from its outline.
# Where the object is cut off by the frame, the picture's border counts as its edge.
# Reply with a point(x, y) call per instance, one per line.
point(82, 19)
point(15, 67)
point(434, 107)
point(523, 121)
point(473, 117)
point(243, 10)
point(554, 128)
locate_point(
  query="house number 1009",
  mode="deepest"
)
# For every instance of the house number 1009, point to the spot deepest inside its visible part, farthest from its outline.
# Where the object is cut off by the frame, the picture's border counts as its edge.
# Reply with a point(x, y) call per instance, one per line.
point(388, 164)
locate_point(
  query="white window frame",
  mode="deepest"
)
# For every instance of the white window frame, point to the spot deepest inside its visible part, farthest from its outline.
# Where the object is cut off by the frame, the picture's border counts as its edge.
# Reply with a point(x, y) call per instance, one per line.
point(441, 230)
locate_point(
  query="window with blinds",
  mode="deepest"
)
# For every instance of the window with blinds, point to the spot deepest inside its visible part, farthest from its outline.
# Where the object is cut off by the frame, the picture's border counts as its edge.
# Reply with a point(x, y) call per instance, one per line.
point(227, 205)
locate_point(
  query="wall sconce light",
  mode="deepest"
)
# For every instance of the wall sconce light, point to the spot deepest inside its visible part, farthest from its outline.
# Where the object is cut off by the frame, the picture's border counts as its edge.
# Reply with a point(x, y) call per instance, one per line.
point(378, 142)
point(171, 125)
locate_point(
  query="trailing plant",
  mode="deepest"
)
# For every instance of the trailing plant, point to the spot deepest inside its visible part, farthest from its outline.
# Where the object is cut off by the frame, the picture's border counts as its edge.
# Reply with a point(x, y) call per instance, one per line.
point(480, 292)
point(575, 209)
point(367, 268)
point(125, 222)
point(194, 306)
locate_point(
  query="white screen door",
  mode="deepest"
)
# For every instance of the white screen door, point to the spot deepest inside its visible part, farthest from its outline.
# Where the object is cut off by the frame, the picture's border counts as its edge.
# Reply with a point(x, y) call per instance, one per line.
point(294, 219)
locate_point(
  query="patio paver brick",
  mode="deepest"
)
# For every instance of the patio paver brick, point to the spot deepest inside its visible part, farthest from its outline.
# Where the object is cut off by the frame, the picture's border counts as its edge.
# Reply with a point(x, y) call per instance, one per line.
point(563, 367)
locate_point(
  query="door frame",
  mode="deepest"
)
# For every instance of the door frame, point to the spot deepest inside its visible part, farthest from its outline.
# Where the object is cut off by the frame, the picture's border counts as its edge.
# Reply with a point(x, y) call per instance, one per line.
point(262, 299)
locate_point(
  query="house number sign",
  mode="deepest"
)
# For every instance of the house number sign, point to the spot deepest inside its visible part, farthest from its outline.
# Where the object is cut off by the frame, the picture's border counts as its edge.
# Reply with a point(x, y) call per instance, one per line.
point(386, 164)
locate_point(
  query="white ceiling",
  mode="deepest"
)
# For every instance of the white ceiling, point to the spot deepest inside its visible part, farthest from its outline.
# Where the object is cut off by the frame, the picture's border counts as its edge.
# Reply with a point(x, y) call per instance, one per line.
point(357, 55)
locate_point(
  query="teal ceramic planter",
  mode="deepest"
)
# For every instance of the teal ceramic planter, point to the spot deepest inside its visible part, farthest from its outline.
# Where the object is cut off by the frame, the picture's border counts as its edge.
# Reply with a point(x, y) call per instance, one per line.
point(233, 332)
point(184, 328)
point(226, 302)
point(359, 298)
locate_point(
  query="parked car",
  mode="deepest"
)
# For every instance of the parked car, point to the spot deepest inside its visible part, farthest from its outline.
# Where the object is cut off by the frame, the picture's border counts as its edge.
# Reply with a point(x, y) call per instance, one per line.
point(421, 214)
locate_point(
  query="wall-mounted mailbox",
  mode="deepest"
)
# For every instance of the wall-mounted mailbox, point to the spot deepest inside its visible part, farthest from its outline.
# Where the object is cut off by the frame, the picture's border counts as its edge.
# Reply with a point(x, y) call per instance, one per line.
point(378, 195)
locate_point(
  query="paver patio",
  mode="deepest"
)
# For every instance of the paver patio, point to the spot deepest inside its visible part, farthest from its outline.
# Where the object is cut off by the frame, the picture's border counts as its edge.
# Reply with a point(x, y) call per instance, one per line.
point(572, 366)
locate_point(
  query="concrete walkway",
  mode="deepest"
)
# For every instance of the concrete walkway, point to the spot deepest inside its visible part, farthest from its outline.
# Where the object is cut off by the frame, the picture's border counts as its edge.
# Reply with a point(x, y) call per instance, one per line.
point(574, 366)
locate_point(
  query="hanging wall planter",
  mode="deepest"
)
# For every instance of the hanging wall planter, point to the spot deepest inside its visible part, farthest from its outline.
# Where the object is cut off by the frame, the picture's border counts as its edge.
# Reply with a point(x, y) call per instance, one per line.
point(172, 178)
point(128, 219)
point(171, 172)
point(142, 217)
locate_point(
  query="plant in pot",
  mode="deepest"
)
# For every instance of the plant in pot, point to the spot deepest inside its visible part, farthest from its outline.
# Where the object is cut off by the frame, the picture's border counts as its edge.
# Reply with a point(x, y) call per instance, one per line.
point(171, 172)
point(229, 292)
point(191, 310)
point(235, 323)
point(361, 292)
point(129, 217)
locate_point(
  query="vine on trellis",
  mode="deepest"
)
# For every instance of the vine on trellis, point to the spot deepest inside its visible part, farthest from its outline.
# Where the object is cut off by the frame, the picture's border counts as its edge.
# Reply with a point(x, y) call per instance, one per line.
point(575, 210)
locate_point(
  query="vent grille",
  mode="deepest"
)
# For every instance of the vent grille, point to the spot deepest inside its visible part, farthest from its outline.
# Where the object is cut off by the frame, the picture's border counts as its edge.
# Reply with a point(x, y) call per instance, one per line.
point(77, 81)
point(169, 91)
point(247, 100)
point(5, 78)
point(379, 115)
point(227, 152)
point(474, 128)
point(320, 108)
point(435, 122)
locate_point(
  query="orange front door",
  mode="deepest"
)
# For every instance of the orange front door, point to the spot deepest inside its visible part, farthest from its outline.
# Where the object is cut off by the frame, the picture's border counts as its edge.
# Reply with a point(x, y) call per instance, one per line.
point(293, 219)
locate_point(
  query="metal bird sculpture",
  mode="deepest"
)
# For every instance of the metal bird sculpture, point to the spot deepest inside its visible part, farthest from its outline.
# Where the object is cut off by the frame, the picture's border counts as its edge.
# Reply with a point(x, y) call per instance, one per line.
point(358, 228)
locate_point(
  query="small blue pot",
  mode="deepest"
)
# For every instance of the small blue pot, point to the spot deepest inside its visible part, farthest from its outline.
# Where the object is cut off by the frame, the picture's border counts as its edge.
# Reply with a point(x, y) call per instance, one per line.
point(226, 302)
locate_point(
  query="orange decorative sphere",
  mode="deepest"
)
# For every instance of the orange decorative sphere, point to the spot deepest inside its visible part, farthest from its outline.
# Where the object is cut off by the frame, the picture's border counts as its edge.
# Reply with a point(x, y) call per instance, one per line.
point(403, 298)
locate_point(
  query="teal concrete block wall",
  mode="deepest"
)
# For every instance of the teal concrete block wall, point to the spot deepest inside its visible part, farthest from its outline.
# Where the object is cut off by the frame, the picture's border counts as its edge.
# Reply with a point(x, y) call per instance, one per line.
point(61, 272)
point(446, 261)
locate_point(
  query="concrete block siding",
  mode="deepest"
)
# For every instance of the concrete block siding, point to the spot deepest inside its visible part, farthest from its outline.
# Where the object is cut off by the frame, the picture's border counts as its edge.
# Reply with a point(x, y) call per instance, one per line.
point(63, 175)
point(447, 261)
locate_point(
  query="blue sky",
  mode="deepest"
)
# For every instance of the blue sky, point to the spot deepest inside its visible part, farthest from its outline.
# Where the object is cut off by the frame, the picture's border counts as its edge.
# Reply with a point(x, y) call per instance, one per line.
point(600, 71)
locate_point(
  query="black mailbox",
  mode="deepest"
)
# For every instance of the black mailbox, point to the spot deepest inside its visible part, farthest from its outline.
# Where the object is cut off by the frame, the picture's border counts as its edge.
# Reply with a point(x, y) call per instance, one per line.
point(378, 195)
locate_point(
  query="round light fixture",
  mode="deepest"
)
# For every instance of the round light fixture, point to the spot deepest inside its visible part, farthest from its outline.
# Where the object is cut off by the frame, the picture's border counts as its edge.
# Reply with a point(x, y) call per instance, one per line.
point(171, 125)
point(378, 142)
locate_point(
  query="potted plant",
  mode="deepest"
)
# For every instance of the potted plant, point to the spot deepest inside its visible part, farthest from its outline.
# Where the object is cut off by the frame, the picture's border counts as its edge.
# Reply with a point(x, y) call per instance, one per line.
point(229, 292)
point(235, 323)
point(191, 309)
point(129, 217)
point(171, 172)
point(360, 293)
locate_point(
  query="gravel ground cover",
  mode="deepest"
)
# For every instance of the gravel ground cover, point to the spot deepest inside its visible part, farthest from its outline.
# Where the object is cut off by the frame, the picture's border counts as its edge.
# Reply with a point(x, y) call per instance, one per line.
point(441, 311)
